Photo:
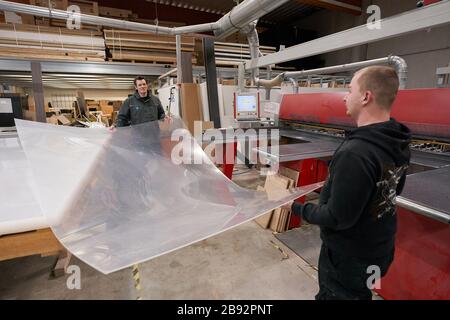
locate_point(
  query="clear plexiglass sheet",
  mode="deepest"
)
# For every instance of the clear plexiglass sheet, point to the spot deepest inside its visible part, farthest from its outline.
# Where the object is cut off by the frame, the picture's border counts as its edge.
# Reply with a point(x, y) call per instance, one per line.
point(19, 209)
point(118, 198)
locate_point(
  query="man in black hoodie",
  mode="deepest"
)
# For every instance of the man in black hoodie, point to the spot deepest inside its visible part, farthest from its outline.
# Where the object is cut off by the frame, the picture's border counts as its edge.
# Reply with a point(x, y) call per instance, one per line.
point(141, 107)
point(356, 211)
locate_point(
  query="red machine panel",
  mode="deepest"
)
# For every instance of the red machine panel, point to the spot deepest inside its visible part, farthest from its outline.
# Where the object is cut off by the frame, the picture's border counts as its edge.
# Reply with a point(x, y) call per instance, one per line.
point(421, 267)
point(315, 107)
point(425, 111)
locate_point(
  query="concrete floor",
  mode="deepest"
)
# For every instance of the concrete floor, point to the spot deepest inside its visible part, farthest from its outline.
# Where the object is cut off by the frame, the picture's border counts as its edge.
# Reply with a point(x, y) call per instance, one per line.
point(242, 263)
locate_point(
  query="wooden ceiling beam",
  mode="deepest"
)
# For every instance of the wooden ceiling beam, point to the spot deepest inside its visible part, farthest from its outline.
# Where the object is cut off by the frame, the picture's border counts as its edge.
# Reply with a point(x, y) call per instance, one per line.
point(348, 6)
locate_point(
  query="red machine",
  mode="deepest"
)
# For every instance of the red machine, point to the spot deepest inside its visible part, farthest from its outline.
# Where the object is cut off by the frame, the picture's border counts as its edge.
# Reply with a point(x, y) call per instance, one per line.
point(427, 2)
point(421, 269)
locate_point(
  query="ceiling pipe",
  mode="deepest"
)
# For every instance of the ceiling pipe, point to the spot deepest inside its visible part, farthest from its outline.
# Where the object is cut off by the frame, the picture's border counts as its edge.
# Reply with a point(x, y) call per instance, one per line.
point(294, 84)
point(396, 62)
point(84, 18)
point(243, 14)
point(242, 17)
point(253, 41)
point(401, 67)
point(236, 19)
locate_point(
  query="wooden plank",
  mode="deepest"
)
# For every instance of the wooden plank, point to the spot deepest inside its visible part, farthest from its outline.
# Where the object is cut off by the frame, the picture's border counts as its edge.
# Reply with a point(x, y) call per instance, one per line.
point(275, 220)
point(56, 23)
point(53, 50)
point(55, 4)
point(144, 46)
point(113, 12)
point(142, 56)
point(140, 36)
point(41, 242)
point(289, 173)
point(275, 184)
point(60, 41)
point(86, 7)
point(264, 220)
point(52, 56)
point(48, 29)
point(190, 104)
point(61, 264)
point(29, 52)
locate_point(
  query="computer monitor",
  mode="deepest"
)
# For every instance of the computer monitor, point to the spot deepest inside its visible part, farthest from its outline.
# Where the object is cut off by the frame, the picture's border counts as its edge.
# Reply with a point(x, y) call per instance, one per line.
point(246, 105)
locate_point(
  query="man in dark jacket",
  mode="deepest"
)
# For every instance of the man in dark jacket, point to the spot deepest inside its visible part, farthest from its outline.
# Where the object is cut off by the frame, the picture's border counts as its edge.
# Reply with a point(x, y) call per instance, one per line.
point(141, 107)
point(356, 211)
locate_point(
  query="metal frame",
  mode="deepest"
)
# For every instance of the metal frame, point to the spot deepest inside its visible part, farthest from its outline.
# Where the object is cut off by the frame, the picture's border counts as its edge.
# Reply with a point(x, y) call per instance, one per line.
point(85, 67)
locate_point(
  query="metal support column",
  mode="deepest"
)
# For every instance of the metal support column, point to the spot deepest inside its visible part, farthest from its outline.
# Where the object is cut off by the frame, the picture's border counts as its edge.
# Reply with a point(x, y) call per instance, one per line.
point(211, 81)
point(38, 91)
point(178, 52)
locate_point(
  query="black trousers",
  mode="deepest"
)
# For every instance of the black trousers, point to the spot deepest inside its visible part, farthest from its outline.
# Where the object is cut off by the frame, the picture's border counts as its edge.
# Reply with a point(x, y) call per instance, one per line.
point(345, 277)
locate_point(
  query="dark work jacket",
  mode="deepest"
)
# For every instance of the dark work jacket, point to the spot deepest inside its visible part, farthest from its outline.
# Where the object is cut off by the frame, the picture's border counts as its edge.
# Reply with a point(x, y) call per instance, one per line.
point(356, 211)
point(136, 109)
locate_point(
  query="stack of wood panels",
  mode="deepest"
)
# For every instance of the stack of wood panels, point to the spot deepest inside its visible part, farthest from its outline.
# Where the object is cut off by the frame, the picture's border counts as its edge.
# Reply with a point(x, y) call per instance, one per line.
point(231, 54)
point(278, 220)
point(115, 13)
point(86, 7)
point(29, 41)
point(145, 47)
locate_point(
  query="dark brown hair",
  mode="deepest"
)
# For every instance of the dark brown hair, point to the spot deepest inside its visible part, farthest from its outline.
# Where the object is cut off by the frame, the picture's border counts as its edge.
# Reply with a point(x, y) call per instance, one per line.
point(139, 78)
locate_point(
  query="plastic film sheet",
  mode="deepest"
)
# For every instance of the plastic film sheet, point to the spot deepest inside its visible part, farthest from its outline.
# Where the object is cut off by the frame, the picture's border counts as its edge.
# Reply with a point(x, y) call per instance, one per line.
point(19, 209)
point(118, 198)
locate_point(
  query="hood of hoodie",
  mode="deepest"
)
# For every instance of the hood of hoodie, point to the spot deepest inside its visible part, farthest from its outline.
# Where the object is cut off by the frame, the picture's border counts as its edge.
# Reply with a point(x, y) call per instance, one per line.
point(390, 136)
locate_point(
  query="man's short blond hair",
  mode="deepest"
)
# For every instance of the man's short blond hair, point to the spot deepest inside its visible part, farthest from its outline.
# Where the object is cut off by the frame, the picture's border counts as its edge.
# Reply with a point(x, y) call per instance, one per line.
point(382, 82)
